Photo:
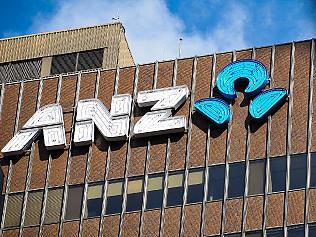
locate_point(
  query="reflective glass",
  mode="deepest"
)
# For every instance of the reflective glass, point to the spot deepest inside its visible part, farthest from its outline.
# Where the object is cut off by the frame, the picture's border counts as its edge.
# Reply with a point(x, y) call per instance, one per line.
point(134, 195)
point(296, 231)
point(114, 197)
point(154, 191)
point(256, 177)
point(277, 174)
point(236, 185)
point(313, 170)
point(216, 179)
point(298, 171)
point(195, 186)
point(175, 189)
point(94, 200)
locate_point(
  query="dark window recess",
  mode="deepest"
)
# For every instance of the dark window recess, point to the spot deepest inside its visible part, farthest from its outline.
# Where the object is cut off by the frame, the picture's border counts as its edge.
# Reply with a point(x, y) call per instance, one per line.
point(295, 231)
point(53, 205)
point(313, 170)
point(312, 230)
point(256, 177)
point(275, 233)
point(134, 195)
point(154, 191)
point(33, 208)
point(298, 171)
point(63, 63)
point(195, 186)
point(175, 189)
point(233, 235)
point(13, 211)
point(236, 185)
point(254, 234)
point(90, 59)
point(114, 197)
point(94, 200)
point(74, 201)
point(277, 175)
point(216, 180)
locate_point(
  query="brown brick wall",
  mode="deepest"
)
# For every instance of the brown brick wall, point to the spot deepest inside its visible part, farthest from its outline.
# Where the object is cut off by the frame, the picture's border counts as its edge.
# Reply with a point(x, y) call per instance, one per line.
point(11, 233)
point(233, 215)
point(279, 119)
point(78, 163)
point(131, 224)
point(171, 225)
point(314, 105)
point(111, 226)
point(199, 123)
point(50, 230)
point(19, 172)
point(30, 231)
point(192, 219)
point(87, 85)
point(213, 215)
point(312, 206)
point(151, 223)
point(91, 227)
point(300, 97)
point(296, 204)
point(254, 216)
point(275, 210)
point(70, 229)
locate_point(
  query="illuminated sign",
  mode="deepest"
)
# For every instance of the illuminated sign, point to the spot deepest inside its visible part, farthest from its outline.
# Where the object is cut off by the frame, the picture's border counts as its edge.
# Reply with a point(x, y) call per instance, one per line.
point(113, 125)
point(254, 72)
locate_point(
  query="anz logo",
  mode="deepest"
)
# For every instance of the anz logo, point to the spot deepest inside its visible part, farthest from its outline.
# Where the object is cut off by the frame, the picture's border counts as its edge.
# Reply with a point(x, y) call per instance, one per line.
point(218, 111)
point(114, 125)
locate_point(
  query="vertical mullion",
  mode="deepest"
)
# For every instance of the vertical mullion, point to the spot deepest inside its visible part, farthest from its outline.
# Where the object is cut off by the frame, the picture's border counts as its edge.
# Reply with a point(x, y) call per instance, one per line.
point(29, 169)
point(288, 138)
point(207, 148)
point(64, 202)
point(268, 135)
point(165, 191)
point(2, 90)
point(7, 190)
point(147, 162)
point(227, 164)
point(309, 133)
point(128, 152)
point(49, 164)
point(187, 156)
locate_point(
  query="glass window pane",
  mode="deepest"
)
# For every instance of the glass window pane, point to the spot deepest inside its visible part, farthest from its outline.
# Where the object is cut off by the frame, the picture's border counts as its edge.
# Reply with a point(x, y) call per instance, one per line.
point(13, 211)
point(64, 63)
point(74, 201)
point(134, 195)
point(175, 189)
point(195, 186)
point(313, 170)
point(297, 231)
point(114, 197)
point(275, 233)
point(236, 185)
point(254, 234)
point(53, 205)
point(298, 171)
point(312, 230)
point(94, 200)
point(90, 59)
point(33, 208)
point(154, 191)
point(256, 177)
point(277, 174)
point(216, 182)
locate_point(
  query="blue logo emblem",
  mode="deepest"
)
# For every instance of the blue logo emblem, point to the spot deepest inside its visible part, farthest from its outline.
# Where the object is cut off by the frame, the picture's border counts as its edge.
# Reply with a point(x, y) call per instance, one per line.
point(255, 73)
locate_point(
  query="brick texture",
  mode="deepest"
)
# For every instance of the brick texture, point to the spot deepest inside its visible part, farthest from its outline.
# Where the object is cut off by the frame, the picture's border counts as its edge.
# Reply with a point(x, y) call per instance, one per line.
point(111, 226)
point(87, 85)
point(254, 213)
point(192, 221)
point(70, 229)
point(151, 223)
point(30, 231)
point(314, 106)
point(171, 225)
point(78, 163)
point(233, 215)
point(131, 224)
point(275, 210)
point(312, 206)
point(91, 227)
point(296, 204)
point(213, 215)
point(11, 233)
point(50, 230)
point(19, 172)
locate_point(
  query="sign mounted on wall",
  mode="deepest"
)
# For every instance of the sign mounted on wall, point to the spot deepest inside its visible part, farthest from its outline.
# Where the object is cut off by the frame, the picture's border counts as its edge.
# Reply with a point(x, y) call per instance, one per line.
point(114, 125)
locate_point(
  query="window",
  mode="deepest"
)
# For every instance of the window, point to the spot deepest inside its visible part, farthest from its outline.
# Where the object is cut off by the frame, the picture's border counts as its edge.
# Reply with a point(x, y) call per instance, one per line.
point(63, 63)
point(295, 231)
point(13, 211)
point(33, 208)
point(53, 205)
point(311, 230)
point(236, 185)
point(233, 235)
point(175, 189)
point(256, 177)
point(74, 201)
point(195, 186)
point(298, 171)
point(275, 233)
point(90, 59)
point(114, 197)
point(134, 195)
point(154, 191)
point(277, 174)
point(313, 170)
point(254, 234)
point(94, 200)
point(216, 180)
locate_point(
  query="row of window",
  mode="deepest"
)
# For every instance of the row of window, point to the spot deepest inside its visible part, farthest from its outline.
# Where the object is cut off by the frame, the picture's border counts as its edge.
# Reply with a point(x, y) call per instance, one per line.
point(155, 189)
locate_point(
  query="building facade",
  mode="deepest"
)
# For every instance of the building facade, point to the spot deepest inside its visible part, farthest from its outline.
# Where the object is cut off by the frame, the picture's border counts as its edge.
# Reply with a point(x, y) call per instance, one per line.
point(243, 179)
